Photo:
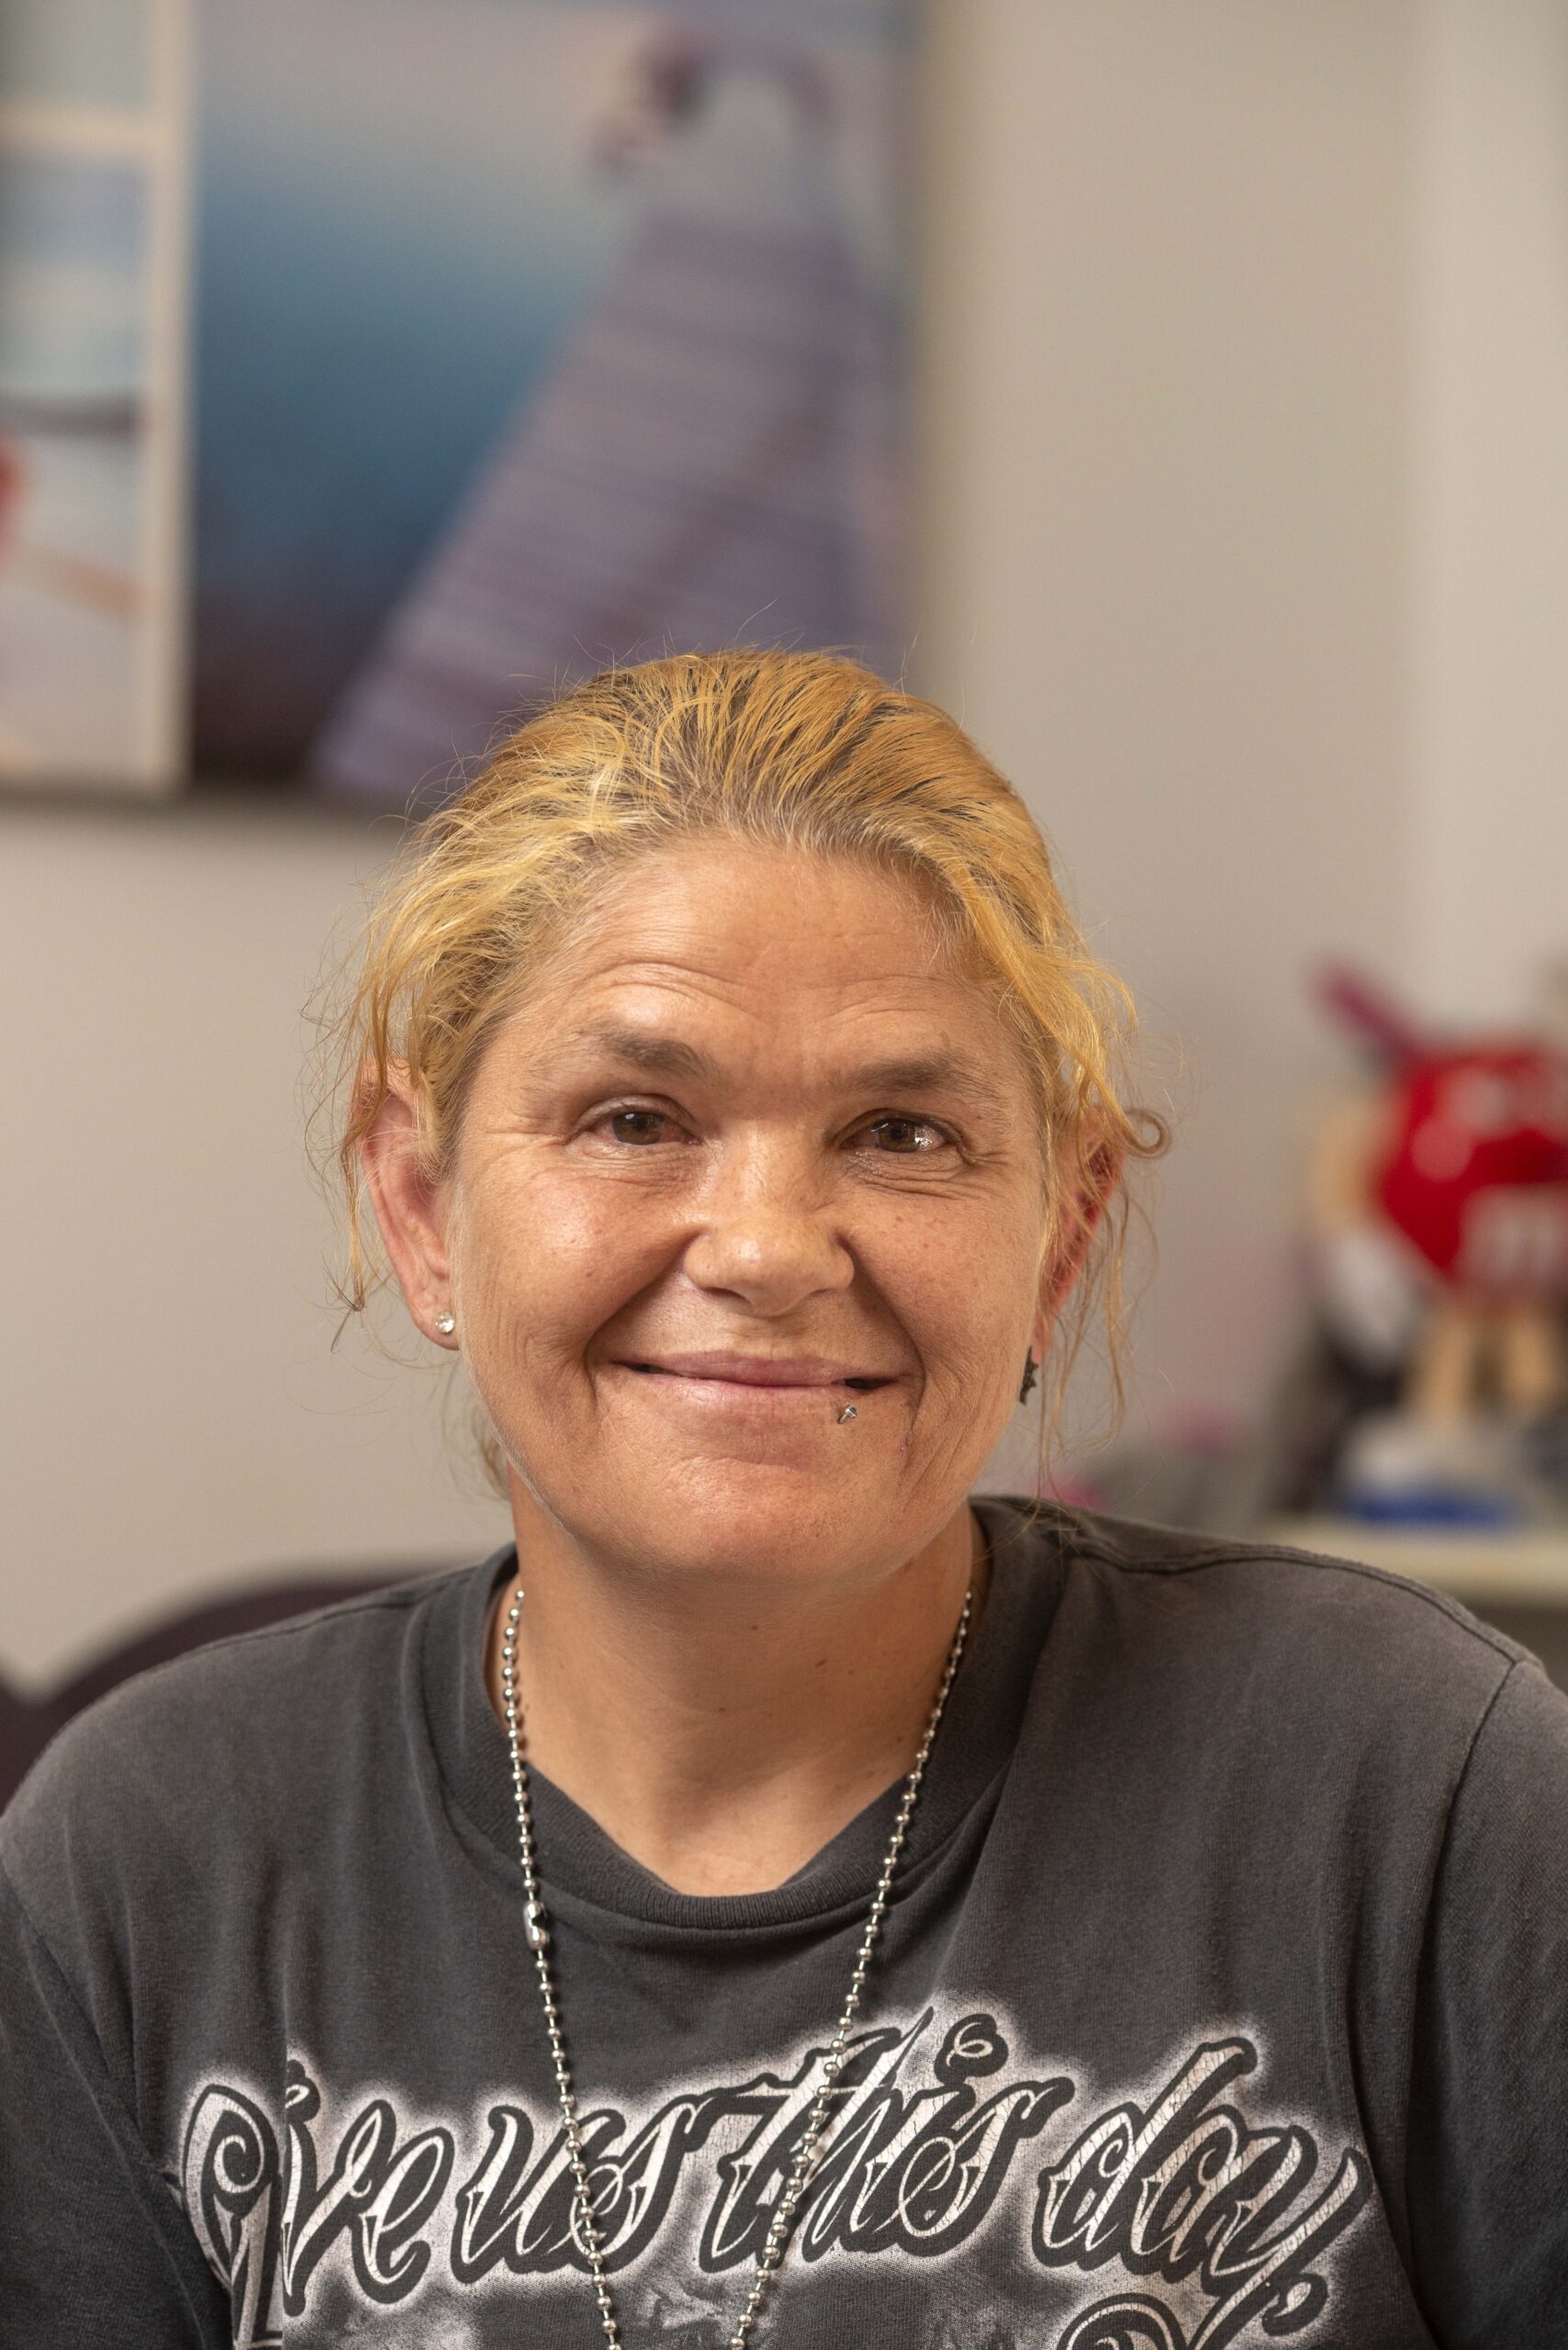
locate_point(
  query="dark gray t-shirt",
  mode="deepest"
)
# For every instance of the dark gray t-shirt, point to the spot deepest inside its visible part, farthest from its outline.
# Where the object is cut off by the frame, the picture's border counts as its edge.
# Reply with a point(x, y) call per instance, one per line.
point(1224, 1998)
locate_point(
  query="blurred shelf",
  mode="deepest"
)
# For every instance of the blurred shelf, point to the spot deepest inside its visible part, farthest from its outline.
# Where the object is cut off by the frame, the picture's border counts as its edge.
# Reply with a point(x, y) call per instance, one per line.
point(1526, 1568)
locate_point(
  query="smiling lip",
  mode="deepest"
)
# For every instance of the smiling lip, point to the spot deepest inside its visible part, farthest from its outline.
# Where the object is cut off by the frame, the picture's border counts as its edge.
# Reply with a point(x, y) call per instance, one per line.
point(760, 1371)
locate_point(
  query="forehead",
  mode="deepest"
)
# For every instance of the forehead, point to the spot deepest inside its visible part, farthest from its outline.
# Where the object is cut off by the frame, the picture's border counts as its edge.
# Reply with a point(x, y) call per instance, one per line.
point(746, 920)
point(741, 942)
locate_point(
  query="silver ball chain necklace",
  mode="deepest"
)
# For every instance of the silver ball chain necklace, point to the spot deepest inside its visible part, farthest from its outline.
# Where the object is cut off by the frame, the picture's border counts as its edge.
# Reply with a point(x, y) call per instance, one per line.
point(537, 1928)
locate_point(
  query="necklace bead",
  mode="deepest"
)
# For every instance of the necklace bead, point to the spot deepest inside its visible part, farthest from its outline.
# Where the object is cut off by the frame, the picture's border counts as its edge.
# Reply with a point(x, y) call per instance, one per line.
point(809, 2151)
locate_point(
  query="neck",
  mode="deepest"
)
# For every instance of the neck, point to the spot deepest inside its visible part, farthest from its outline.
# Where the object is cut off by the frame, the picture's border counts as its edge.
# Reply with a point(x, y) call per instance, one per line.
point(722, 1739)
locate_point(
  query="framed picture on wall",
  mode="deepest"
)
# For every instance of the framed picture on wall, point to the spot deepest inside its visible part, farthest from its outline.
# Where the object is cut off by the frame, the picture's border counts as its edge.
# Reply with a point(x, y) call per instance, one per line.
point(94, 208)
point(389, 363)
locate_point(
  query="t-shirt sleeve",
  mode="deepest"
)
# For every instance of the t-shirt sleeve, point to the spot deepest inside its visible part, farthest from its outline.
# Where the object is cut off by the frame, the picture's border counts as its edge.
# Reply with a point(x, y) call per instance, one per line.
point(94, 2248)
point(1487, 2166)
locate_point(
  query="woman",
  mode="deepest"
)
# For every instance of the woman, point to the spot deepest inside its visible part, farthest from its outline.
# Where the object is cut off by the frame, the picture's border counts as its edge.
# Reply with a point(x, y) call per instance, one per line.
point(782, 1899)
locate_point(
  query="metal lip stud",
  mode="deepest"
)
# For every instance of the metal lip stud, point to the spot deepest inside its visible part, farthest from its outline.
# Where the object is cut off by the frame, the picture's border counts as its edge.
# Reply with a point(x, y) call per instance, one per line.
point(849, 1413)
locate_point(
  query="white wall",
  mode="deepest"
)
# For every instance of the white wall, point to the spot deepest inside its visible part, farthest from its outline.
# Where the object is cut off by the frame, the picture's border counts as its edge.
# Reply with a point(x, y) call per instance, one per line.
point(1168, 360)
point(174, 1417)
point(1490, 552)
point(1266, 660)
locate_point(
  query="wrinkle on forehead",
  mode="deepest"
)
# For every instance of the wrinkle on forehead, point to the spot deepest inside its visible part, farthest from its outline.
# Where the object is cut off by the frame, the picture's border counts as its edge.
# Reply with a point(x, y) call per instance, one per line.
point(851, 941)
point(684, 1018)
point(674, 881)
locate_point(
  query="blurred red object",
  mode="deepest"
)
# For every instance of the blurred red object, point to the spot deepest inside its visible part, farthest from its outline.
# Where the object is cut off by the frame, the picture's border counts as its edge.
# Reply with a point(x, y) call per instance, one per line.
point(1476, 1174)
point(1439, 1205)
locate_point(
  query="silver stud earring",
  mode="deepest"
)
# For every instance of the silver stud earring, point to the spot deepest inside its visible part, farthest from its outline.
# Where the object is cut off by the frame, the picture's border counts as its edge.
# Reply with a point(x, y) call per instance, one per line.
point(446, 1324)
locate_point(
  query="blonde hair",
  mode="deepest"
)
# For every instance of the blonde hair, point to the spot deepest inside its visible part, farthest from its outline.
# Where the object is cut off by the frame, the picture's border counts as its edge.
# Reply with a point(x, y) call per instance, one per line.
point(801, 750)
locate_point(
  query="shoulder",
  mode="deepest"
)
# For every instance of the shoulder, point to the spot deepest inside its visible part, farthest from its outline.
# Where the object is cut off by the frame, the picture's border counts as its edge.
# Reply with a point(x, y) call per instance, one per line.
point(1285, 1692)
point(1274, 1581)
point(1274, 1634)
point(139, 1787)
point(231, 1698)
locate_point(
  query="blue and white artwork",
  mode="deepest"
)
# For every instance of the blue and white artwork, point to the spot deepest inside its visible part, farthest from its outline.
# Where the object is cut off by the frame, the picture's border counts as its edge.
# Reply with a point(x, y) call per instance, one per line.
point(369, 369)
point(532, 336)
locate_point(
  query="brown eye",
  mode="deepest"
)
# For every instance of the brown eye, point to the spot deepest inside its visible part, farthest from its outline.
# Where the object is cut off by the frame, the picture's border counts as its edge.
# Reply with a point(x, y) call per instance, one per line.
point(906, 1133)
point(639, 1121)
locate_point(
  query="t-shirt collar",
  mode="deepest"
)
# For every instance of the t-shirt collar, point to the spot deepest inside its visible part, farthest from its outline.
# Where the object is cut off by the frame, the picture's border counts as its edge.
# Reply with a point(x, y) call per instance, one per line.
point(580, 1864)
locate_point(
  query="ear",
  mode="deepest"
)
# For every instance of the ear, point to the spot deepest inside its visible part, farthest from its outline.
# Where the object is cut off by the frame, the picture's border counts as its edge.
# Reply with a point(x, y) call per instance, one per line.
point(411, 1210)
point(1096, 1189)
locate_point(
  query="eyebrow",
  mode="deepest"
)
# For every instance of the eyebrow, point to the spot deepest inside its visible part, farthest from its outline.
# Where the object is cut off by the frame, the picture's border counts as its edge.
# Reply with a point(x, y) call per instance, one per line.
point(935, 1071)
point(658, 1056)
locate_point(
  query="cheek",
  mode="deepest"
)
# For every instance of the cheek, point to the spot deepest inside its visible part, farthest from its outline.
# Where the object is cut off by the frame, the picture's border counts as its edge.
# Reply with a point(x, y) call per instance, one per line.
point(959, 1283)
point(555, 1260)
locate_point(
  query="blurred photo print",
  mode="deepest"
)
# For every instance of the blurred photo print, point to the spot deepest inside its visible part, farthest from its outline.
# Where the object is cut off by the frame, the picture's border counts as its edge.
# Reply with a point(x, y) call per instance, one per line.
point(92, 222)
point(372, 369)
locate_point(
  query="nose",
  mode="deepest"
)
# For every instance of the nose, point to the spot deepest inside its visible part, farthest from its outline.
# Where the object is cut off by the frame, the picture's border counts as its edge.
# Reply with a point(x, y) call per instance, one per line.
point(767, 1231)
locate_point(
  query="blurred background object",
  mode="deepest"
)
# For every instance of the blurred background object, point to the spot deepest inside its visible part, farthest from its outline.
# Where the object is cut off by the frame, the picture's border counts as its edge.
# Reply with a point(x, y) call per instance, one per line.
point(1237, 534)
point(709, 456)
point(94, 190)
point(517, 337)
point(1419, 1414)
point(1439, 1218)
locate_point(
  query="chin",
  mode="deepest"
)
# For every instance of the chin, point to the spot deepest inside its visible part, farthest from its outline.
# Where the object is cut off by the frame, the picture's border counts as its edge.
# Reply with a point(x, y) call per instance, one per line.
point(762, 1527)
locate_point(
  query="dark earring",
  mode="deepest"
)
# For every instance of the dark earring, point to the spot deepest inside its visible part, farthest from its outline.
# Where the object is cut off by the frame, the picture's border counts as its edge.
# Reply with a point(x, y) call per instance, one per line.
point(1030, 1374)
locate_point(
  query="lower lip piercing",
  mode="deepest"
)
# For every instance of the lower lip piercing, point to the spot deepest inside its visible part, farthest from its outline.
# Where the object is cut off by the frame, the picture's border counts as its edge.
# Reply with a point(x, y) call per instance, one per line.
point(849, 1413)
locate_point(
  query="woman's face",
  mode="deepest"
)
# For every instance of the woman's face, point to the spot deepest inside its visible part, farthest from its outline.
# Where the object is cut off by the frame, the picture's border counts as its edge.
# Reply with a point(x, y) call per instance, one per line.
point(745, 1126)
